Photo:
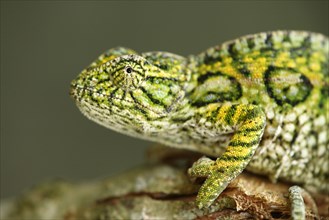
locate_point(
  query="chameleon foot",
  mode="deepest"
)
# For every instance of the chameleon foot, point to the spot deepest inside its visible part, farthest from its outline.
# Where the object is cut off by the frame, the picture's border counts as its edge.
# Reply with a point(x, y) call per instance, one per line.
point(297, 195)
point(218, 177)
point(297, 203)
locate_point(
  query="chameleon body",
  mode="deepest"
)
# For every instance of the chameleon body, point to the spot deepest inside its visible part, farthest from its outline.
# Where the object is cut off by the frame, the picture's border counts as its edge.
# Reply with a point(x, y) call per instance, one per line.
point(259, 103)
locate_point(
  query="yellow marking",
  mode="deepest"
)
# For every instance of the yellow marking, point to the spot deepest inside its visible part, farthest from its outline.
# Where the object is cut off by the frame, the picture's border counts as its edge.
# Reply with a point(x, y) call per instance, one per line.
point(237, 151)
point(301, 60)
point(316, 55)
point(217, 65)
point(246, 139)
point(291, 64)
point(304, 69)
point(211, 108)
point(238, 114)
point(228, 163)
point(262, 61)
point(258, 67)
point(315, 67)
point(227, 60)
point(248, 59)
point(255, 53)
point(105, 59)
point(281, 59)
point(253, 123)
point(203, 69)
point(231, 71)
point(222, 113)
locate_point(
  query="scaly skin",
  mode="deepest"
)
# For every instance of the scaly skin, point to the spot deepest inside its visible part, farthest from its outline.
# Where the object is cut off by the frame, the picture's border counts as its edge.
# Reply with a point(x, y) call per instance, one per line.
point(259, 102)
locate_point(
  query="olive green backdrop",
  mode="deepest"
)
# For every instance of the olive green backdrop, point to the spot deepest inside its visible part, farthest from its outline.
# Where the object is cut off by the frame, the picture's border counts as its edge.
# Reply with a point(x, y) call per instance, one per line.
point(45, 44)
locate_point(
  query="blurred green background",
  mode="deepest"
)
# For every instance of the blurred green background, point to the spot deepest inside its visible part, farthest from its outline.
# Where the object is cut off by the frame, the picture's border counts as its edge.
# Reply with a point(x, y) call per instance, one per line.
point(44, 45)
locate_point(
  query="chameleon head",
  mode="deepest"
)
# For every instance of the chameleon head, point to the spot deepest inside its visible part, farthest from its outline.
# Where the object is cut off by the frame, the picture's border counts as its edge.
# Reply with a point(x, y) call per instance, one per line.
point(127, 94)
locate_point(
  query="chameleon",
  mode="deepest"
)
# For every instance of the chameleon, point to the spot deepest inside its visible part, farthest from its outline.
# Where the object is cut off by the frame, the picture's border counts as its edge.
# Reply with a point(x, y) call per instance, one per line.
point(256, 103)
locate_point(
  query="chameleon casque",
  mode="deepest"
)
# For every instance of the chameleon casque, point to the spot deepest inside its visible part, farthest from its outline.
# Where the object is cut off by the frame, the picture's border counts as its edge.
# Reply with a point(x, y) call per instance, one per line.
point(259, 103)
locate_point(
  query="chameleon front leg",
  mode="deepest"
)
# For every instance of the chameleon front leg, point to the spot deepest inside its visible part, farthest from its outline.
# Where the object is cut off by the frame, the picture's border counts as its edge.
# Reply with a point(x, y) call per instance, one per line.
point(249, 122)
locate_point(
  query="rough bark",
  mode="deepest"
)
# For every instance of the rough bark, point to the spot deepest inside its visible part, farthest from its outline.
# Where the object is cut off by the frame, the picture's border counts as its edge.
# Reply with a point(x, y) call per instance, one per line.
point(160, 189)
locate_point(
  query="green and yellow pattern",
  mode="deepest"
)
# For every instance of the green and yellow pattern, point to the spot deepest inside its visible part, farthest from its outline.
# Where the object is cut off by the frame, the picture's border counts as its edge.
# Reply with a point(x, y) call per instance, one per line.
point(258, 103)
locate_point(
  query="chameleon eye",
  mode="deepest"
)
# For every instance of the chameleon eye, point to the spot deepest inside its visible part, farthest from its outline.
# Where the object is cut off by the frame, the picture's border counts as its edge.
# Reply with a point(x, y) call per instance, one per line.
point(129, 69)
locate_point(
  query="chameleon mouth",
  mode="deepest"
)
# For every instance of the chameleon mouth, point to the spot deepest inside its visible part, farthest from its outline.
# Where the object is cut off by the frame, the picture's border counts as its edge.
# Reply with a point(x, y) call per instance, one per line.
point(73, 93)
point(79, 94)
point(74, 90)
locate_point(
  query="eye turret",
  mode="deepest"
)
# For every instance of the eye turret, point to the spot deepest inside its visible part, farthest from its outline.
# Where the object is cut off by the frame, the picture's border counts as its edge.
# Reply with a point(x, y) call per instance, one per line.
point(128, 69)
point(127, 72)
